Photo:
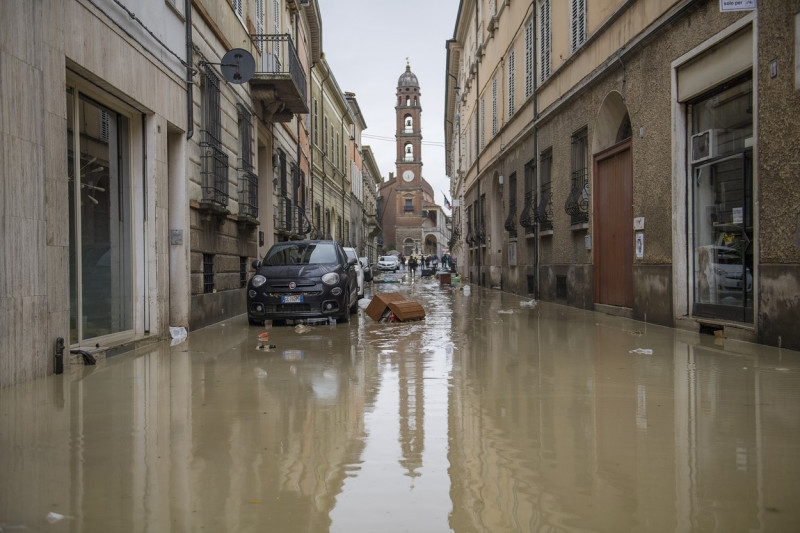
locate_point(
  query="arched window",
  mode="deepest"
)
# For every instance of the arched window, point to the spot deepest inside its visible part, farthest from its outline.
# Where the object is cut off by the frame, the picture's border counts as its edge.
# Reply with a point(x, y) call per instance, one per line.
point(408, 100)
point(409, 152)
point(409, 124)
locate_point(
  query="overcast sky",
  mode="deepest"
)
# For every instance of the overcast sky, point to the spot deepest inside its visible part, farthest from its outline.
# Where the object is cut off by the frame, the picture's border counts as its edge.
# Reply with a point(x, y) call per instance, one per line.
point(366, 43)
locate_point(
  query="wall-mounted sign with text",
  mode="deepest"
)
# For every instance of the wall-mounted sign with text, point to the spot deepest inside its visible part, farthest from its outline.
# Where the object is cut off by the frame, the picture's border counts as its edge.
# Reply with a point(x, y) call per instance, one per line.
point(737, 5)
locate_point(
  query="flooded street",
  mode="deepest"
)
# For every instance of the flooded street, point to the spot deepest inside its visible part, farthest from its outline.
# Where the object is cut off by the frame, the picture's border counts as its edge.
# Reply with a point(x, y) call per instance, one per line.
point(492, 414)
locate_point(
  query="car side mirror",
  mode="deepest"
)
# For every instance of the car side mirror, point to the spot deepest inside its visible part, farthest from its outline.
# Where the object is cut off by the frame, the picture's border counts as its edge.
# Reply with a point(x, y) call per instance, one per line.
point(256, 264)
point(352, 261)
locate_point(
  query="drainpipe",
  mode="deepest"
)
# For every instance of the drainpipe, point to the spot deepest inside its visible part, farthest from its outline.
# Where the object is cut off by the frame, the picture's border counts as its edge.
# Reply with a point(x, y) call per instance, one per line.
point(187, 8)
point(535, 155)
point(477, 148)
point(302, 192)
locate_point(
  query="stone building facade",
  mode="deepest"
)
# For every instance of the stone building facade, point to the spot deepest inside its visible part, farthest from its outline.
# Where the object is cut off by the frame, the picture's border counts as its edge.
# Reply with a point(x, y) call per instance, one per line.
point(613, 156)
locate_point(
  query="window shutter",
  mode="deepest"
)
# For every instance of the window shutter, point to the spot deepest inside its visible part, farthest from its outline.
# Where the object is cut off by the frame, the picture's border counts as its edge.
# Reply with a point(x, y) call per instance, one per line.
point(529, 59)
point(545, 48)
point(511, 82)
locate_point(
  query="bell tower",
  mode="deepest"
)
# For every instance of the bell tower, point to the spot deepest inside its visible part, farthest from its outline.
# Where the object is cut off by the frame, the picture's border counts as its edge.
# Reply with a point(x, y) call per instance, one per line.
point(409, 134)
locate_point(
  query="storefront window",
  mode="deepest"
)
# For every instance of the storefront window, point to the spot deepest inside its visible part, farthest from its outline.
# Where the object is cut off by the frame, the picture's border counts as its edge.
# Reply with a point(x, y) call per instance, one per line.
point(722, 197)
point(99, 232)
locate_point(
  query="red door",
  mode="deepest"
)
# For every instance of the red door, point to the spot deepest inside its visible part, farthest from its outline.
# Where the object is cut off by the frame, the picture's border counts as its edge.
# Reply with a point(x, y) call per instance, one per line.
point(613, 226)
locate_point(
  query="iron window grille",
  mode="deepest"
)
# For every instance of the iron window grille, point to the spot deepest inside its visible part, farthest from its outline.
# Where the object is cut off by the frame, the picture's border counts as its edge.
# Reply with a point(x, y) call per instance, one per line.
point(248, 181)
point(511, 220)
point(577, 206)
point(526, 218)
point(208, 273)
point(482, 225)
point(469, 238)
point(242, 271)
point(544, 210)
point(214, 170)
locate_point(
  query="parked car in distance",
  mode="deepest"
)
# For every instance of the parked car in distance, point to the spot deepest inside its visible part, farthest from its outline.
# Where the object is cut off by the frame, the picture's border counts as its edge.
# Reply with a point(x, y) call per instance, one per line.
point(388, 262)
point(352, 254)
point(366, 266)
point(299, 280)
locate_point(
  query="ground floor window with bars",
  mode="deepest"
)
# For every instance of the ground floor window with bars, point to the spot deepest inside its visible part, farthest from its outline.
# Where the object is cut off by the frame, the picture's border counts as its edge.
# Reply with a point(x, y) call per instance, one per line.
point(577, 206)
point(208, 273)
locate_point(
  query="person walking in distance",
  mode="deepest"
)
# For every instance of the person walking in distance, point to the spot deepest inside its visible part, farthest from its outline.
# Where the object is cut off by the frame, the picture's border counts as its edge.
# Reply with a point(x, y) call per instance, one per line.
point(412, 265)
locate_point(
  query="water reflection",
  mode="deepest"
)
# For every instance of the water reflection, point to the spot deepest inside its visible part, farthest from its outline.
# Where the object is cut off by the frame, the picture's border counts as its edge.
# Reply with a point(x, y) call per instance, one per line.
point(486, 416)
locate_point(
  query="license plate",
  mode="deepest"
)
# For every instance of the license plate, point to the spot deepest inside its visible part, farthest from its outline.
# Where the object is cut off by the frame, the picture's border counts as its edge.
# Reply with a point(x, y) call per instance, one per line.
point(292, 299)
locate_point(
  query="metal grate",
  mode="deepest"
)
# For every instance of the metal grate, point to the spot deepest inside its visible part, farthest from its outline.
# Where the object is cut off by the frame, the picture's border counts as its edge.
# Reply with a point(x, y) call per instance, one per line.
point(577, 206)
point(248, 180)
point(544, 210)
point(511, 220)
point(214, 171)
point(242, 271)
point(561, 287)
point(208, 273)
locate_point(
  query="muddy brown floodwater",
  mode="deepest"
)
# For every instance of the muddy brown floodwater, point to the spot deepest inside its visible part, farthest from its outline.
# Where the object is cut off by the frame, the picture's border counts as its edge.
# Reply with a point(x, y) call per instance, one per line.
point(493, 414)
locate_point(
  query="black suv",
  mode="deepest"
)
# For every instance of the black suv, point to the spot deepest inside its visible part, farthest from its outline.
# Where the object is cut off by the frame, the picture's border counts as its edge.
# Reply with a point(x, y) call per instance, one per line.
point(298, 280)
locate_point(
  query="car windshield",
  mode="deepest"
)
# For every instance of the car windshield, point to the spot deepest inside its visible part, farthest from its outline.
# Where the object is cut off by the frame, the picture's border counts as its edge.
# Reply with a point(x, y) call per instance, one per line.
point(301, 254)
point(351, 254)
point(387, 258)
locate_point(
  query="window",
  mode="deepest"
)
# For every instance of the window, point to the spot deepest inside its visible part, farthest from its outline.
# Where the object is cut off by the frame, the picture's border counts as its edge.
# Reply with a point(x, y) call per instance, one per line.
point(511, 81)
point(248, 180)
point(325, 135)
point(544, 210)
point(214, 170)
point(260, 23)
point(408, 207)
point(721, 186)
point(578, 23)
point(208, 273)
point(529, 59)
point(494, 106)
point(545, 45)
point(577, 206)
point(237, 8)
point(316, 124)
point(409, 152)
point(482, 122)
point(511, 220)
point(527, 218)
point(101, 262)
point(242, 271)
point(408, 124)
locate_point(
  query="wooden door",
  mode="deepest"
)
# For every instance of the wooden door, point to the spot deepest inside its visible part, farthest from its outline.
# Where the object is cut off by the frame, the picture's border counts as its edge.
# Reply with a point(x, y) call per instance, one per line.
point(613, 226)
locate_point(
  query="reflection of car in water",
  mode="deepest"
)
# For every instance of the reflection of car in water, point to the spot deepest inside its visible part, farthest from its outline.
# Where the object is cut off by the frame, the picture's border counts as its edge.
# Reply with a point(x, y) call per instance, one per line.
point(721, 272)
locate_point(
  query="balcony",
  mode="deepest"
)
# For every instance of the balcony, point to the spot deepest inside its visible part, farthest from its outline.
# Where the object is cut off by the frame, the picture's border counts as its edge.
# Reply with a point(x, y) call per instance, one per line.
point(291, 220)
point(279, 81)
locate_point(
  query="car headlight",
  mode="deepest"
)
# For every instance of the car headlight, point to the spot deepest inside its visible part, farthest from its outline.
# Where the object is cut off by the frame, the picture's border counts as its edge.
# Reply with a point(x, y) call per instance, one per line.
point(257, 281)
point(331, 278)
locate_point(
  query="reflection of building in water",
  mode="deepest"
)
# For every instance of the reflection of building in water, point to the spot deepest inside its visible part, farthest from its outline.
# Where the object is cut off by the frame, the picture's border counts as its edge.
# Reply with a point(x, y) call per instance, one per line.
point(412, 412)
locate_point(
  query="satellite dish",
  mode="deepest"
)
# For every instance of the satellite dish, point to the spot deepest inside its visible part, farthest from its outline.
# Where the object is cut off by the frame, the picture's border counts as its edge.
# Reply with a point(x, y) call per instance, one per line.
point(238, 66)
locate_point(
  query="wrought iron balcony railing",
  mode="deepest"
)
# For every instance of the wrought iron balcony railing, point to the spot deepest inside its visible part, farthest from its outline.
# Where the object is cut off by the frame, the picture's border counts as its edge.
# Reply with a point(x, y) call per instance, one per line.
point(279, 82)
point(544, 211)
point(527, 218)
point(577, 206)
point(291, 219)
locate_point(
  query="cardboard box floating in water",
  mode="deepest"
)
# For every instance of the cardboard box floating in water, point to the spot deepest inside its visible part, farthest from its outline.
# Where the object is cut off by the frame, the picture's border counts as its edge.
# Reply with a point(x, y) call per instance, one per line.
point(394, 307)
